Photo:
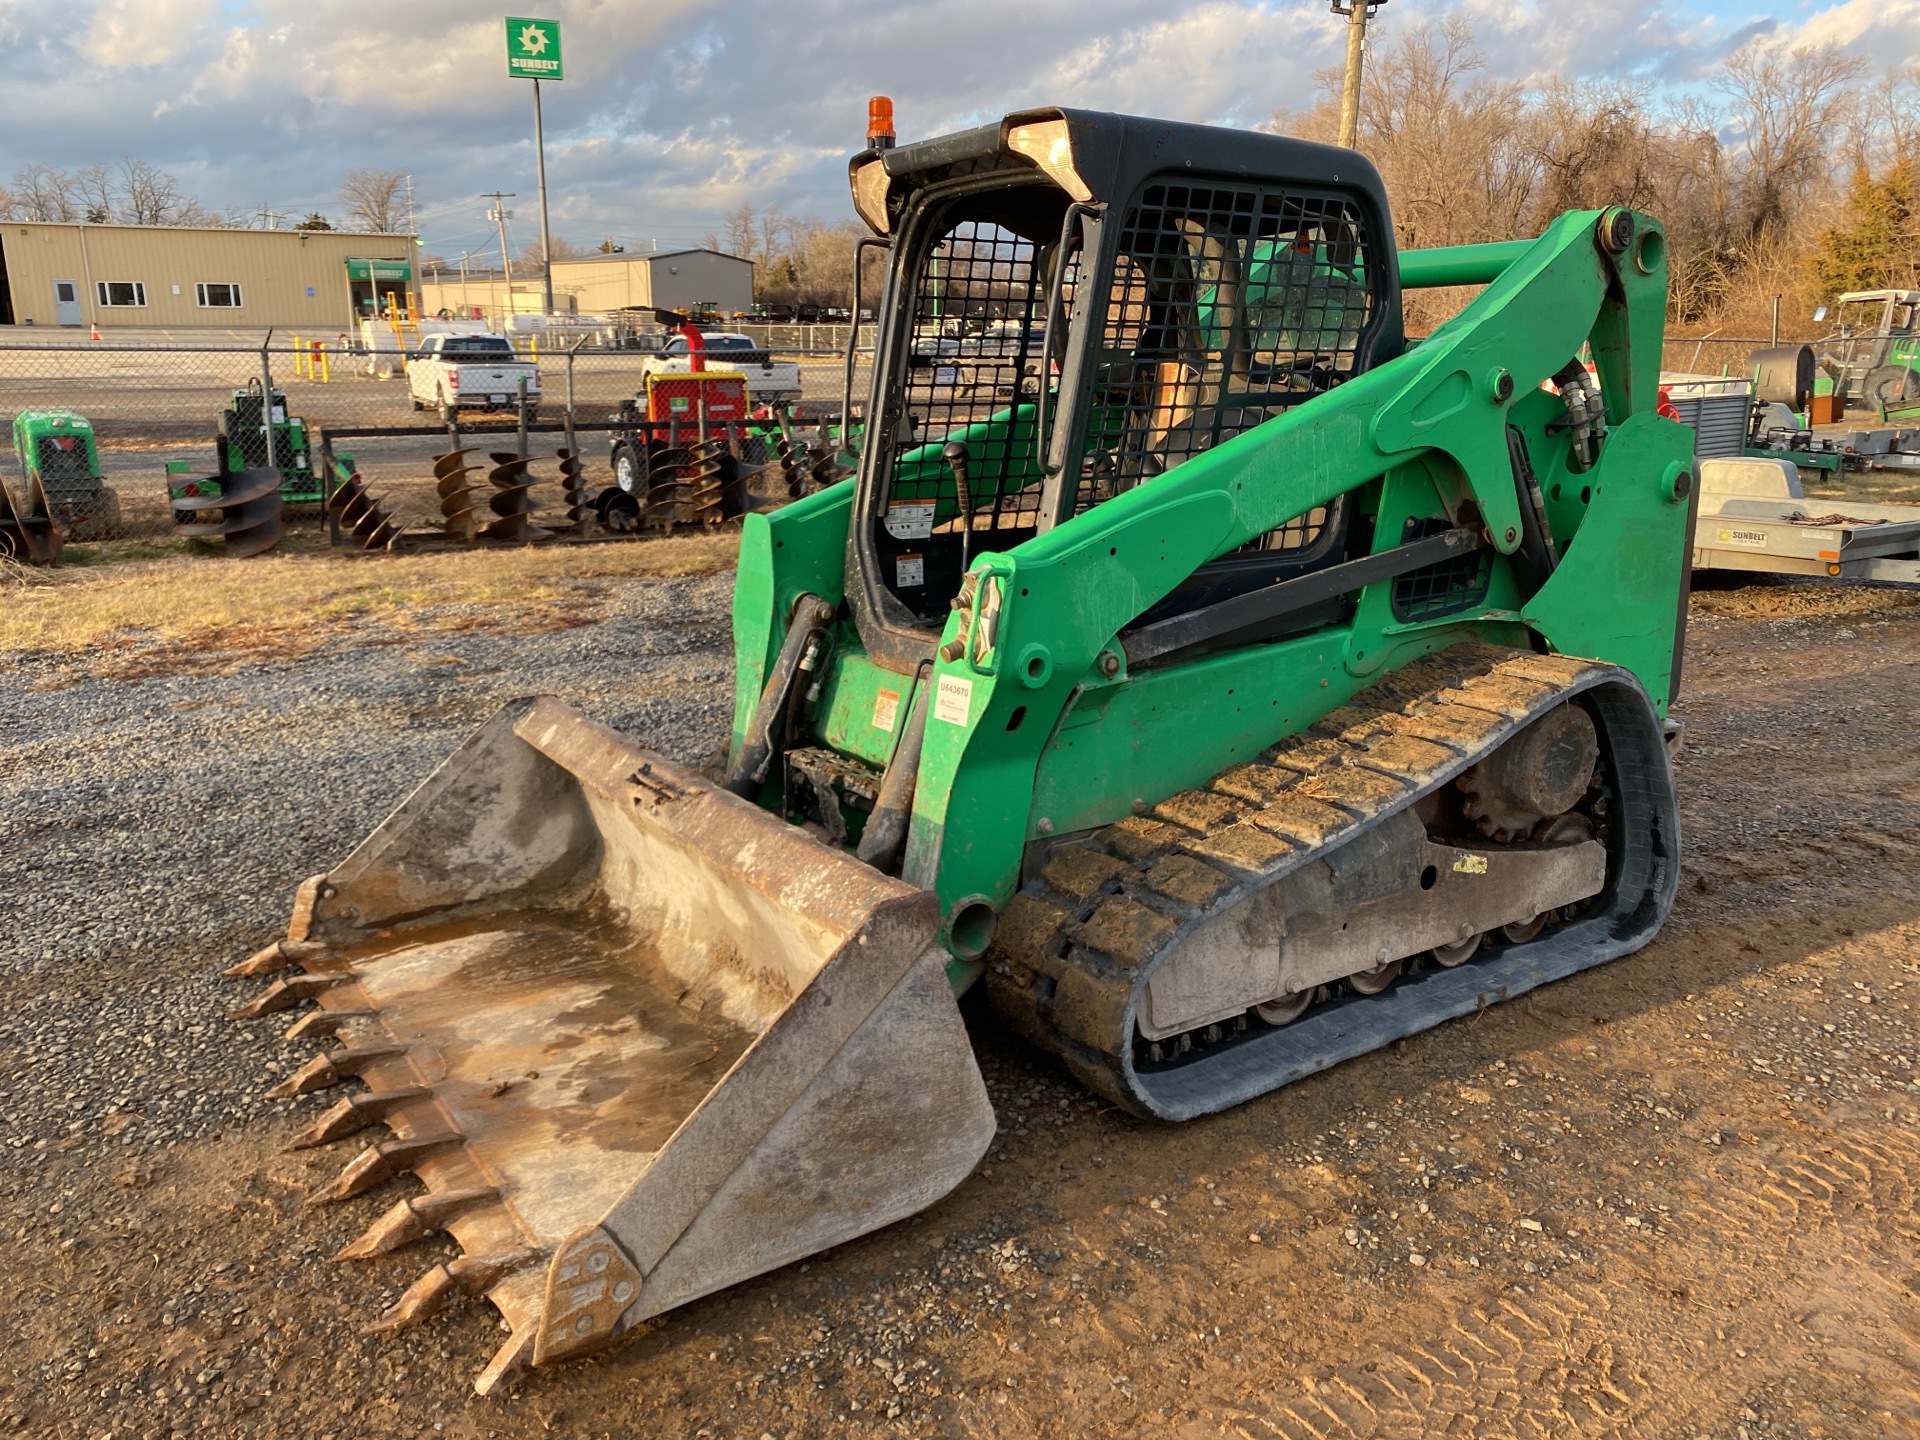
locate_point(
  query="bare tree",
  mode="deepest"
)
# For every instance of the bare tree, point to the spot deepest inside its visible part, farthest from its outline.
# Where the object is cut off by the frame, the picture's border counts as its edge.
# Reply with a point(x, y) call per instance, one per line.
point(150, 196)
point(563, 249)
point(374, 200)
point(1789, 108)
point(741, 233)
point(42, 192)
point(97, 193)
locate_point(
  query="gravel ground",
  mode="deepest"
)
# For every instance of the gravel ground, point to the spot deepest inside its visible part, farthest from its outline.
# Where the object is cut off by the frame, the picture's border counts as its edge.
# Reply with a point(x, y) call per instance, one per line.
point(1673, 1198)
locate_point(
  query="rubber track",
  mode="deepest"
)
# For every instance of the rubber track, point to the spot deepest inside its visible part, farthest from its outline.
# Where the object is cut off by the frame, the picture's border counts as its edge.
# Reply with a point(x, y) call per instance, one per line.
point(1076, 946)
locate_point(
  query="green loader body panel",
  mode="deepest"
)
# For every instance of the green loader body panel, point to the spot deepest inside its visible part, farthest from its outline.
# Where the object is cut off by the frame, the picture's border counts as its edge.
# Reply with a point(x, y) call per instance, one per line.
point(1042, 739)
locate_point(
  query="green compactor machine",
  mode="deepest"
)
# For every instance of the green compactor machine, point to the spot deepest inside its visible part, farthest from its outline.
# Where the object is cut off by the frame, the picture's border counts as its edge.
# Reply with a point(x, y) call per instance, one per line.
point(1224, 681)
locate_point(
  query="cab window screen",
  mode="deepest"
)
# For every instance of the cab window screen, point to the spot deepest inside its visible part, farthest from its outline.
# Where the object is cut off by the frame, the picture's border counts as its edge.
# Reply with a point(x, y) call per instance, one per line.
point(972, 374)
point(1225, 305)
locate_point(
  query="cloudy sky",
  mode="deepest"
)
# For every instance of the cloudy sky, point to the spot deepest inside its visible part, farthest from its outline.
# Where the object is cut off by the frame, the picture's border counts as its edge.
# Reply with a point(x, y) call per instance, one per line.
point(675, 111)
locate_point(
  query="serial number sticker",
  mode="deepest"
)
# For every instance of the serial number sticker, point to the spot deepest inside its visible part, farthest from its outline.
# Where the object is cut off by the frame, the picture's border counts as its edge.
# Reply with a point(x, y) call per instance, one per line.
point(1746, 539)
point(910, 571)
point(886, 706)
point(1470, 865)
point(953, 701)
point(910, 519)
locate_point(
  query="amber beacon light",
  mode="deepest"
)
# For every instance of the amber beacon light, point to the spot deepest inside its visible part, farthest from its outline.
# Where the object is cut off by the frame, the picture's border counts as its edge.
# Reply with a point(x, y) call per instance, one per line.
point(880, 123)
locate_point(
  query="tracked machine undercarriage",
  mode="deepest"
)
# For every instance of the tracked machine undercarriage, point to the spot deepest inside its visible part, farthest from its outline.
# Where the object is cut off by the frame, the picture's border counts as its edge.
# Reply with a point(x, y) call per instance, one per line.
point(1225, 681)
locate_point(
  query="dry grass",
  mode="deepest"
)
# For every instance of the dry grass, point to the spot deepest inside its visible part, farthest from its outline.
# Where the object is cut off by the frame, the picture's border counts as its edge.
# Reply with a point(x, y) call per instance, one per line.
point(1876, 487)
point(202, 612)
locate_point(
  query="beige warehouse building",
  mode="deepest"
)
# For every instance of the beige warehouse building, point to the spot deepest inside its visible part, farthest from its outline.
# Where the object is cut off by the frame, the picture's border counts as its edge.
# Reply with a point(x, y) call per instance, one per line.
point(175, 277)
point(597, 284)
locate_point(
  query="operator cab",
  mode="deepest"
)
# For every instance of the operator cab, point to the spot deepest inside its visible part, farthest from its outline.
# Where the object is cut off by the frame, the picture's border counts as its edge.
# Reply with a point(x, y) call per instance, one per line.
point(1067, 319)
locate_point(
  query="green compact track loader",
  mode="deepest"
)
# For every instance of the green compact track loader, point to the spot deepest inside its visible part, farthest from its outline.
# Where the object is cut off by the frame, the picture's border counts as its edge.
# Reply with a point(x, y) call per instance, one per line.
point(1226, 682)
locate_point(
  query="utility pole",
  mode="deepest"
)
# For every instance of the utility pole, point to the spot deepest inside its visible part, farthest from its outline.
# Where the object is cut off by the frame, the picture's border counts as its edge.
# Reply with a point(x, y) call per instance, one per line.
point(465, 308)
point(546, 244)
point(1358, 12)
point(413, 236)
point(500, 215)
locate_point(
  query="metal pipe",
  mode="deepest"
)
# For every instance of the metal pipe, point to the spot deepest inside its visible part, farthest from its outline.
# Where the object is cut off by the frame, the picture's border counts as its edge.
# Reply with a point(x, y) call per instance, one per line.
point(749, 765)
point(1459, 264)
point(266, 401)
point(326, 488)
point(886, 828)
point(546, 243)
point(853, 343)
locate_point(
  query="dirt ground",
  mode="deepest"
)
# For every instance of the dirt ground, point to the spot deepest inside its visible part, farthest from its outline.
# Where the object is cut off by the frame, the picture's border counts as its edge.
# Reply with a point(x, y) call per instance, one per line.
point(1673, 1197)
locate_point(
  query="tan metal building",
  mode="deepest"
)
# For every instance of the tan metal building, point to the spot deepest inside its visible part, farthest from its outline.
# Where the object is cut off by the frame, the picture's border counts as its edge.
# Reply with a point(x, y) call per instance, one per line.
point(175, 277)
point(596, 284)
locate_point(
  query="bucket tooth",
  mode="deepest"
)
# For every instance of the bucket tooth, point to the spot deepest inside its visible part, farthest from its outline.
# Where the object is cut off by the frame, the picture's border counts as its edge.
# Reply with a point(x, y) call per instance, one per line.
point(356, 1113)
point(324, 1024)
point(285, 994)
point(509, 1363)
point(468, 1276)
point(316, 1074)
point(330, 1069)
point(277, 956)
point(378, 1164)
point(414, 1218)
point(427, 1296)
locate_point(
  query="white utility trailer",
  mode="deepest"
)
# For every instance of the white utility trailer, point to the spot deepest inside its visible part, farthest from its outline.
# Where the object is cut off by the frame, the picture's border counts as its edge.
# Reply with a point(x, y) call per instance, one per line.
point(1754, 516)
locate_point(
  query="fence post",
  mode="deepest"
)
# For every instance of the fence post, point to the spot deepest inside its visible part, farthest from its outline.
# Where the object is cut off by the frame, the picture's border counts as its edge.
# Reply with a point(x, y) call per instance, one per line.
point(266, 403)
point(570, 352)
point(326, 489)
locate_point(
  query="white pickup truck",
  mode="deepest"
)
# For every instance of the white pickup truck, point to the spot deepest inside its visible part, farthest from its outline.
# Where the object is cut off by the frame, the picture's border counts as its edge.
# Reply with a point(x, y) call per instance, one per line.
point(767, 379)
point(471, 372)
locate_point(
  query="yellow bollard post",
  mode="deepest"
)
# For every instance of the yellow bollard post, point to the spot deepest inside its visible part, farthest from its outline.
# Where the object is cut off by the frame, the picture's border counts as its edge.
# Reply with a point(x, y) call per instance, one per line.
point(299, 358)
point(326, 365)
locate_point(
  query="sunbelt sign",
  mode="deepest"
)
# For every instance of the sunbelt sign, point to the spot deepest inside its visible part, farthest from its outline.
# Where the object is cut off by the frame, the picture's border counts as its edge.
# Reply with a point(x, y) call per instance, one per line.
point(533, 49)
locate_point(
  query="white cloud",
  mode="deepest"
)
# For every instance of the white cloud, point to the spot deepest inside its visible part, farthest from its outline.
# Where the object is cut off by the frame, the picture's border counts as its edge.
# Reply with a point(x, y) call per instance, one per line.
point(129, 33)
point(674, 111)
point(1886, 32)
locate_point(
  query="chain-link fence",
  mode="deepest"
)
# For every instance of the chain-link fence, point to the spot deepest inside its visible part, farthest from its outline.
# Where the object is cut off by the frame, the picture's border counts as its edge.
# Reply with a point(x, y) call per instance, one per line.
point(154, 416)
point(1720, 354)
point(160, 413)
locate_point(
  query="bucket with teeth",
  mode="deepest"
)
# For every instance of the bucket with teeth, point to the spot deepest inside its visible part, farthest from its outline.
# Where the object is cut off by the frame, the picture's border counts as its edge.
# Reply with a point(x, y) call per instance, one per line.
point(638, 1038)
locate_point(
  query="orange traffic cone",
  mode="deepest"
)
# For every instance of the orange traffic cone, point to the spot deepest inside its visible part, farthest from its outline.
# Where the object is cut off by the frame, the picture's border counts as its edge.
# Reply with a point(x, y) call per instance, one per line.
point(93, 328)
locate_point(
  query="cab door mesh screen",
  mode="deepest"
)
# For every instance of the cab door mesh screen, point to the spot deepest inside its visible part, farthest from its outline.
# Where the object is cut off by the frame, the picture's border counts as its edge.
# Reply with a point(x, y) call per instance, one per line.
point(1227, 304)
point(973, 376)
point(976, 343)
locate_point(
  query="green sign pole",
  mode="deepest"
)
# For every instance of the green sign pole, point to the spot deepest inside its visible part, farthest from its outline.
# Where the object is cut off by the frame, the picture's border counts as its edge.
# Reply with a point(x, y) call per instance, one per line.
point(533, 53)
